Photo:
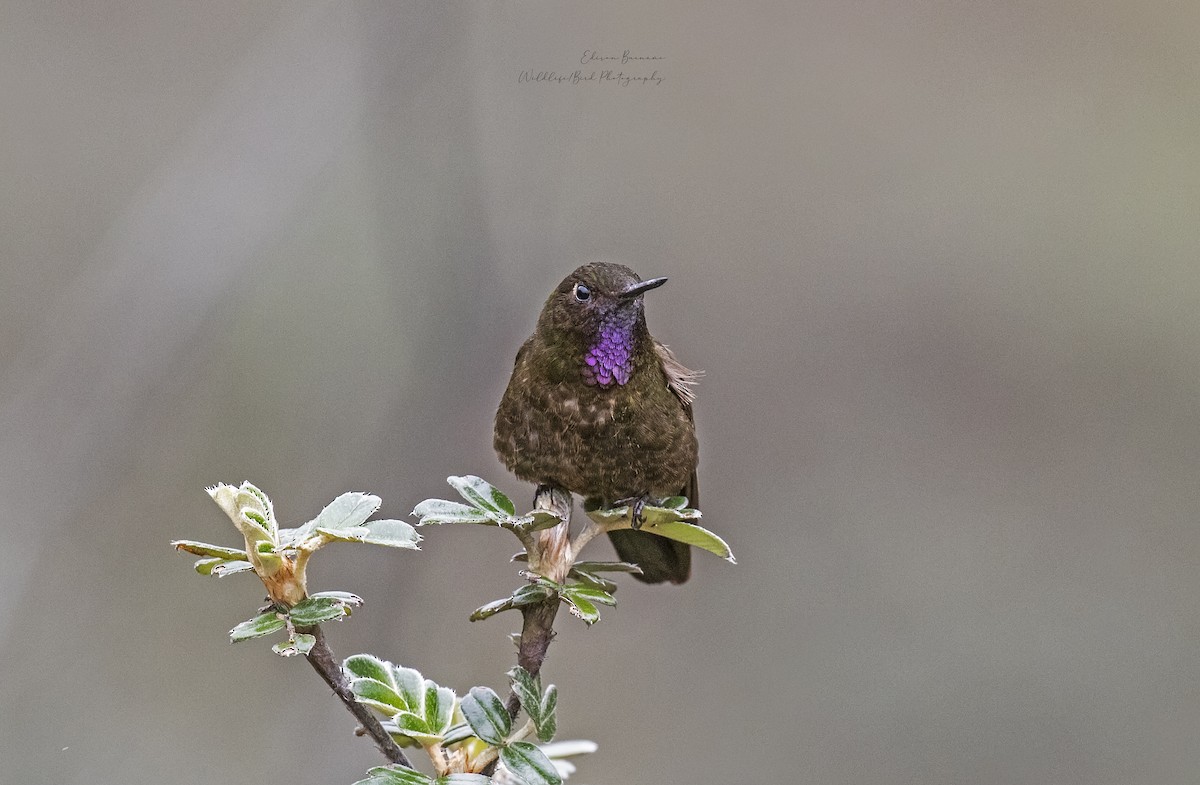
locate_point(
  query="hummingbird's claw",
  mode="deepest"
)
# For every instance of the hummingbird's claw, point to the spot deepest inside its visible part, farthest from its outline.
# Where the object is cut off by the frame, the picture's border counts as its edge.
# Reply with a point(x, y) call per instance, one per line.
point(638, 503)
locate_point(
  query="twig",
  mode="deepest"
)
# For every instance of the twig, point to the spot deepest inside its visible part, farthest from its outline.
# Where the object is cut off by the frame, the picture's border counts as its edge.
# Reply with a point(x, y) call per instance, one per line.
point(557, 556)
point(321, 658)
point(537, 628)
point(590, 531)
point(537, 631)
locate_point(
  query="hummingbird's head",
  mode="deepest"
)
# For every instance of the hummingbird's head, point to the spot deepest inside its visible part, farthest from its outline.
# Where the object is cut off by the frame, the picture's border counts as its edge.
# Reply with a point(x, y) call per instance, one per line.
point(597, 313)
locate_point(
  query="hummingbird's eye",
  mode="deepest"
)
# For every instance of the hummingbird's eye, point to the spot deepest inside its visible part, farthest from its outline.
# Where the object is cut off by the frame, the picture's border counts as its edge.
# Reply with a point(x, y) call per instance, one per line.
point(582, 293)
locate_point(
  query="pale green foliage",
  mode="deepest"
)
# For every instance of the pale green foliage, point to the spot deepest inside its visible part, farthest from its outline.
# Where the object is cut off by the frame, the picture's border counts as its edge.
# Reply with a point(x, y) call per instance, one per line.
point(279, 557)
point(487, 505)
point(671, 518)
point(462, 736)
point(418, 711)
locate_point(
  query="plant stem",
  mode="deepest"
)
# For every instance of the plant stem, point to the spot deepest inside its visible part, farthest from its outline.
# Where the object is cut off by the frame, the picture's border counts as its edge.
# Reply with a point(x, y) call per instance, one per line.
point(589, 533)
point(323, 662)
point(536, 633)
point(537, 628)
point(554, 547)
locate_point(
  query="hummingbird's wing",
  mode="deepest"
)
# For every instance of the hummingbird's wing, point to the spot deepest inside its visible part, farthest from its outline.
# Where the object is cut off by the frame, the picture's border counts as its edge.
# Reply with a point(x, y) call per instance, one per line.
point(661, 559)
point(681, 380)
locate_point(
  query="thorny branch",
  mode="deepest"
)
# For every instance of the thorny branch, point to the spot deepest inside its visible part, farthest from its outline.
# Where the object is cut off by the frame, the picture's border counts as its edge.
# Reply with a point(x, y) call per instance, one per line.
point(323, 662)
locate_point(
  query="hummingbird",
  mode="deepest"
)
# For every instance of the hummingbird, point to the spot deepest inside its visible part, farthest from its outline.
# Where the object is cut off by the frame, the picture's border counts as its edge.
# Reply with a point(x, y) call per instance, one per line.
point(597, 407)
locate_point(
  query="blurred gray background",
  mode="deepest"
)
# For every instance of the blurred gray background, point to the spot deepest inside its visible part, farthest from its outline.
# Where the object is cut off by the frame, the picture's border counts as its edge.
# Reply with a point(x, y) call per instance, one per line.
point(938, 260)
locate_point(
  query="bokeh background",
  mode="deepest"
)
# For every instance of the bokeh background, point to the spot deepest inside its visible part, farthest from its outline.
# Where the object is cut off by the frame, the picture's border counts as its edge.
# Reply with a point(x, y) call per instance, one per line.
point(939, 262)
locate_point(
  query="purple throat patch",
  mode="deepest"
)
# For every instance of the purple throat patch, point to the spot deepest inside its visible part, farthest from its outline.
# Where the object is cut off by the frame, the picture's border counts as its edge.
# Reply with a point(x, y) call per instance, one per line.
point(610, 359)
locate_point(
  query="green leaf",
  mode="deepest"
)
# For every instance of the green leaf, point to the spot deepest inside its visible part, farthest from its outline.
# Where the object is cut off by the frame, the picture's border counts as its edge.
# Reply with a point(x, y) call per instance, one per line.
point(529, 764)
point(385, 709)
point(540, 580)
point(538, 520)
point(530, 594)
point(439, 707)
point(693, 535)
point(204, 549)
point(344, 596)
point(254, 509)
point(228, 568)
point(547, 725)
point(437, 511)
point(268, 558)
point(395, 775)
point(353, 534)
point(608, 566)
point(205, 566)
point(539, 707)
point(317, 610)
point(597, 596)
point(410, 723)
point(262, 498)
point(289, 538)
point(347, 511)
point(528, 690)
point(491, 609)
point(393, 534)
point(401, 740)
point(581, 608)
point(366, 666)
point(534, 593)
point(655, 515)
point(260, 625)
point(416, 728)
point(301, 644)
point(411, 687)
point(457, 734)
point(618, 517)
point(485, 713)
point(674, 503)
point(463, 779)
point(378, 695)
point(560, 750)
point(248, 508)
point(584, 578)
point(483, 495)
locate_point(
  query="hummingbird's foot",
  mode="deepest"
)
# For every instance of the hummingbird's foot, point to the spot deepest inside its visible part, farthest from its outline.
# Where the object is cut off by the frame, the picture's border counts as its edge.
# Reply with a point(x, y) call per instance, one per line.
point(637, 504)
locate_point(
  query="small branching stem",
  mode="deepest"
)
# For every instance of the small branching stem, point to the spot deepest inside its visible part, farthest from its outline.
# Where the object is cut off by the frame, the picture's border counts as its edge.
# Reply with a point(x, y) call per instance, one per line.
point(438, 756)
point(556, 552)
point(323, 662)
point(537, 631)
point(553, 555)
point(589, 532)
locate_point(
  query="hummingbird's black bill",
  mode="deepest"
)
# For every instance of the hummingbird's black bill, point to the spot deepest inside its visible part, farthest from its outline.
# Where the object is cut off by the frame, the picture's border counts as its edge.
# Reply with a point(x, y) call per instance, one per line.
point(642, 287)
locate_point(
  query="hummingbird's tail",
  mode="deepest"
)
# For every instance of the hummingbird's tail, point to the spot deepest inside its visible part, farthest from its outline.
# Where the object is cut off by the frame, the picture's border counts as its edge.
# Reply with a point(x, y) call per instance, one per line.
point(661, 559)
